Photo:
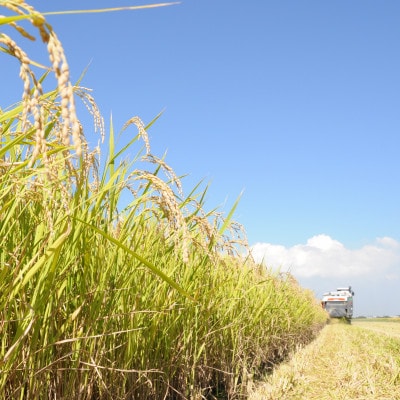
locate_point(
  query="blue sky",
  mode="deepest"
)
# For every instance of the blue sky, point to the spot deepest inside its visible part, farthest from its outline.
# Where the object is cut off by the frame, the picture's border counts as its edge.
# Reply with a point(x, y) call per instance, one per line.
point(294, 103)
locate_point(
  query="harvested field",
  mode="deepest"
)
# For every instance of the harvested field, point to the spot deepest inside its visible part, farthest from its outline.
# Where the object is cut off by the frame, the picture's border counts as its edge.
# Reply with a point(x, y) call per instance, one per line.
point(388, 326)
point(359, 361)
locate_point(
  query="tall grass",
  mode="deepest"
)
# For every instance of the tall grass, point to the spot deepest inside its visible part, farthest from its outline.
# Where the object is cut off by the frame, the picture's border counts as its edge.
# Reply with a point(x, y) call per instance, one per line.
point(113, 284)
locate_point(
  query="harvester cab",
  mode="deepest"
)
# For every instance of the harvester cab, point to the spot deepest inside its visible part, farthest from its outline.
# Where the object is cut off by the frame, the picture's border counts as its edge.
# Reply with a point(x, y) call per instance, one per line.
point(339, 303)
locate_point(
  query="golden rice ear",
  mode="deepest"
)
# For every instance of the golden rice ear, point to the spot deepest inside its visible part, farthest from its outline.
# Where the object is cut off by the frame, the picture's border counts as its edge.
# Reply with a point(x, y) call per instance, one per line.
point(142, 131)
point(37, 19)
point(32, 92)
point(167, 170)
point(89, 102)
point(168, 202)
point(60, 68)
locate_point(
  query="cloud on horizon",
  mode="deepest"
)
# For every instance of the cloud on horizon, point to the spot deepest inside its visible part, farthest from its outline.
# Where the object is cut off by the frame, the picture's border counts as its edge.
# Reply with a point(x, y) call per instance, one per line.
point(323, 256)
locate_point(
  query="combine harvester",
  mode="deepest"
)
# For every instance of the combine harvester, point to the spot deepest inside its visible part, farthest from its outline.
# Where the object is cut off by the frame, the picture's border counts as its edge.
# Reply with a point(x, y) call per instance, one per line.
point(339, 304)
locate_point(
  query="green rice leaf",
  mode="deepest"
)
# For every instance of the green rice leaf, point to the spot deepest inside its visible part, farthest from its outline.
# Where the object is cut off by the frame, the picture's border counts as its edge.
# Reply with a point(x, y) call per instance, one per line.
point(149, 265)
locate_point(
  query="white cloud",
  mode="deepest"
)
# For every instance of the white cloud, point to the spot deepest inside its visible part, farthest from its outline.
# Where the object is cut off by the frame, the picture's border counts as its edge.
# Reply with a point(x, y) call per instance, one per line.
point(323, 256)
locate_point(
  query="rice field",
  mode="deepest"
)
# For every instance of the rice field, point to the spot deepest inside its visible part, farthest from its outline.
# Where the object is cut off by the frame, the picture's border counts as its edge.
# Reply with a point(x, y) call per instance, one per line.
point(358, 361)
point(114, 283)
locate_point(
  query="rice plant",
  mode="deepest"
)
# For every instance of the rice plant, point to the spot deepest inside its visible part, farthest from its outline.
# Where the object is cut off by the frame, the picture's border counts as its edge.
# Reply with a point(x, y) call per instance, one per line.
point(113, 283)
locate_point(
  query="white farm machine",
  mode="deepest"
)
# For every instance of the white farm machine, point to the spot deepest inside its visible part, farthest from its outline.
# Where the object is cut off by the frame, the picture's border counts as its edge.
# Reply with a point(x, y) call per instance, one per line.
point(339, 304)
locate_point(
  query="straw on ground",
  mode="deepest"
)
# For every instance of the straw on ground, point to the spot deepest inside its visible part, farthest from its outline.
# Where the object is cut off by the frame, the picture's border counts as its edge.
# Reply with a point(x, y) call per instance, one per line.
point(347, 362)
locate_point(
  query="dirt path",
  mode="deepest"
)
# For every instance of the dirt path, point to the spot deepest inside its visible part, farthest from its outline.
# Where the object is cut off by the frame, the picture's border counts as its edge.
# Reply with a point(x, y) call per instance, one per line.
point(345, 362)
